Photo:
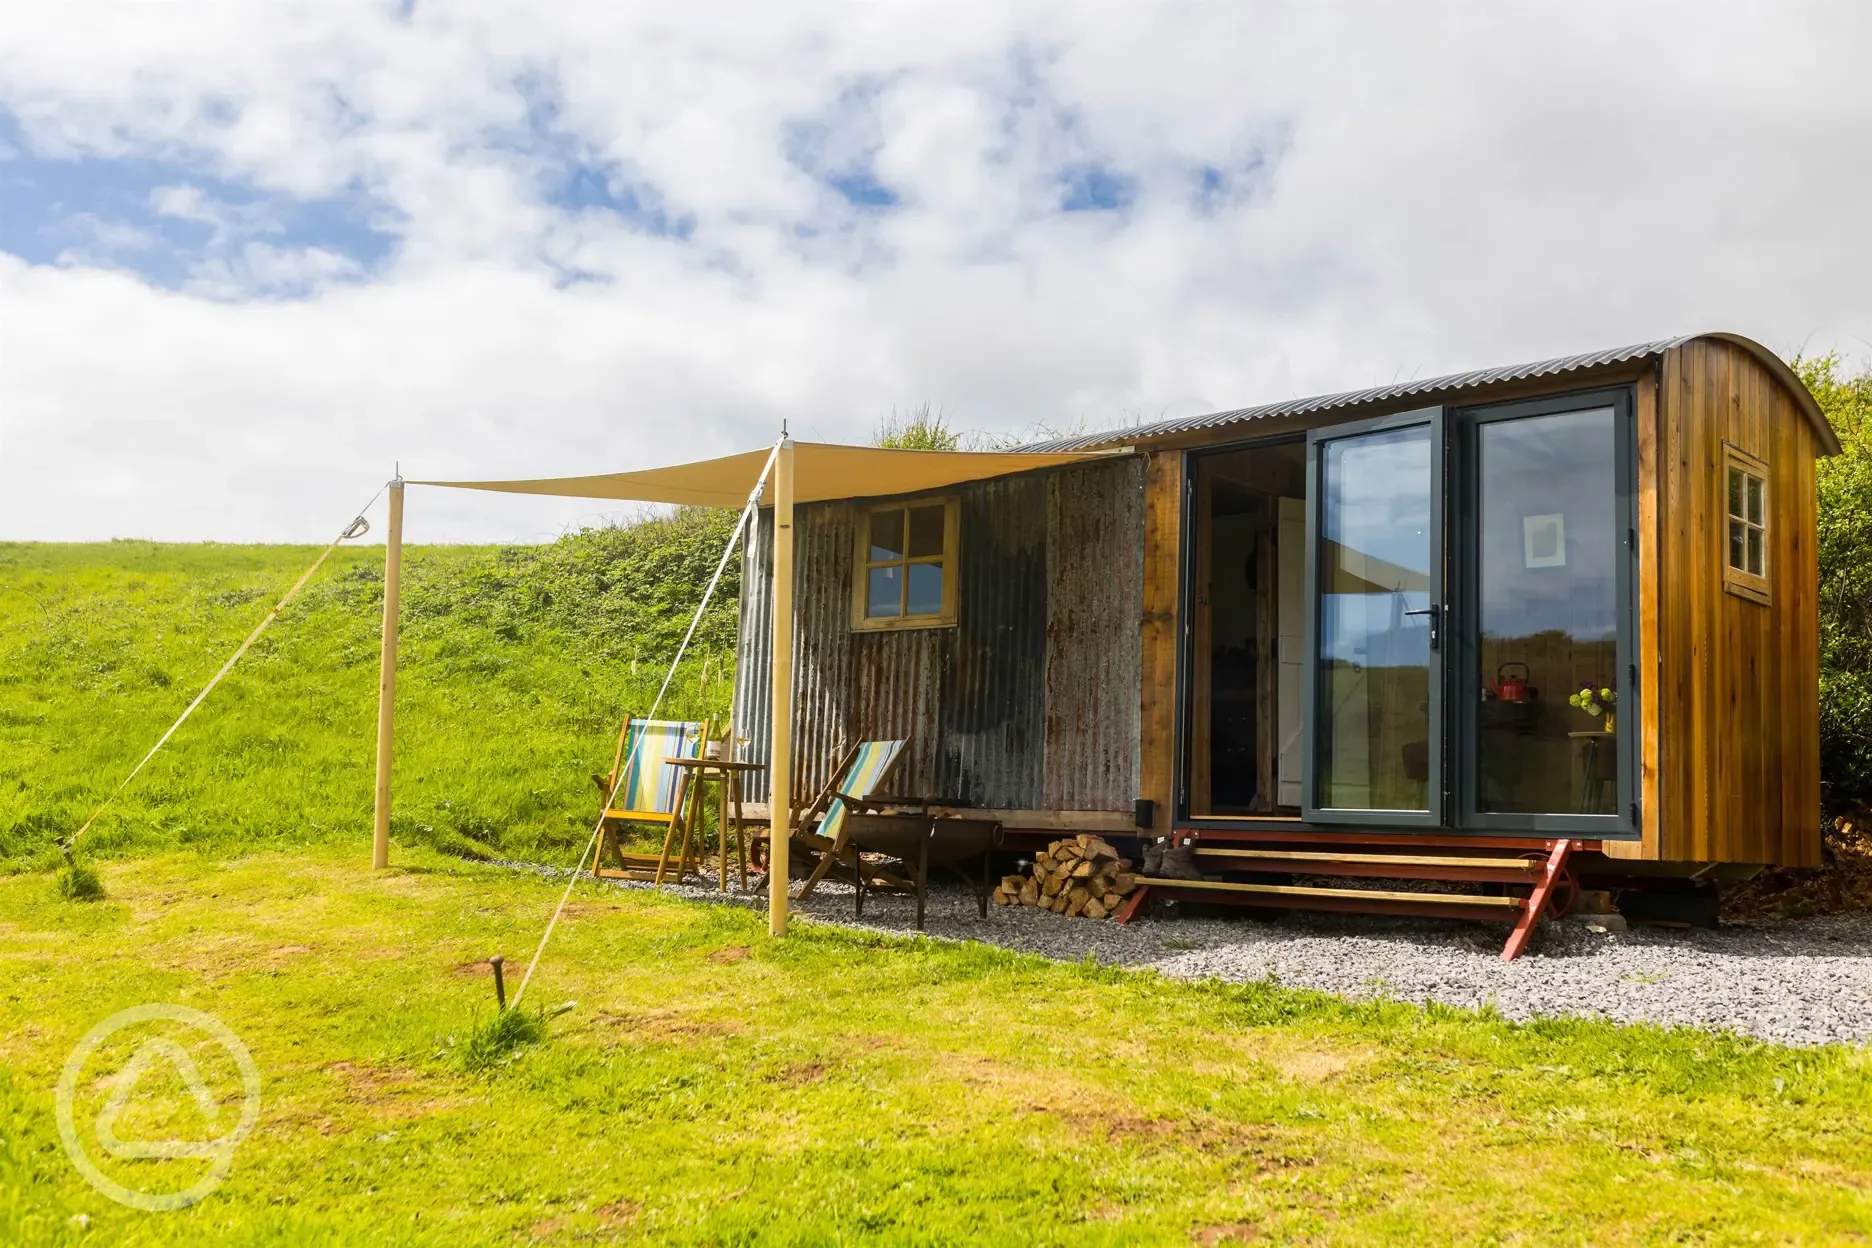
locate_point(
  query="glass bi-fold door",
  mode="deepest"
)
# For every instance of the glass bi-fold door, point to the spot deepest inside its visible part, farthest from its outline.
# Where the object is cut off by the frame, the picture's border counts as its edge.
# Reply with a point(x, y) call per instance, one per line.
point(1545, 563)
point(1375, 647)
point(1469, 599)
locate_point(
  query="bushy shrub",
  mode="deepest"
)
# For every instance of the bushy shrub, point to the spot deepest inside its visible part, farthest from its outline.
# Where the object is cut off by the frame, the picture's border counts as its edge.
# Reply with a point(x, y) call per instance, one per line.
point(1845, 549)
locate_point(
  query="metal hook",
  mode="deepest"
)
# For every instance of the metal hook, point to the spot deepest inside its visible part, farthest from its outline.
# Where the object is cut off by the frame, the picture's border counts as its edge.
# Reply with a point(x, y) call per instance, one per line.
point(358, 528)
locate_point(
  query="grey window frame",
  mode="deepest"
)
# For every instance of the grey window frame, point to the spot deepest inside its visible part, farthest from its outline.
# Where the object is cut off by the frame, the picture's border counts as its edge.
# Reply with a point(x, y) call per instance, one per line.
point(1434, 419)
point(1464, 671)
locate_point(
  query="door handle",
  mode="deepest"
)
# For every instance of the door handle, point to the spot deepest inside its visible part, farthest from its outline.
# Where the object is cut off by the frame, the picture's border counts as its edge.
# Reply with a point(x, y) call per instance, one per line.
point(1435, 613)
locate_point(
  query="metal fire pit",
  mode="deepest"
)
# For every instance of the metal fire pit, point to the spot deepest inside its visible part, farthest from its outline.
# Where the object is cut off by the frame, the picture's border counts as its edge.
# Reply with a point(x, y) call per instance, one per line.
point(921, 842)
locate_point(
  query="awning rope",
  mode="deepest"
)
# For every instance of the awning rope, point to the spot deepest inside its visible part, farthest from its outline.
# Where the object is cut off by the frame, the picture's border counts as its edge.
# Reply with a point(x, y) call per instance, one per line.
point(357, 528)
point(734, 539)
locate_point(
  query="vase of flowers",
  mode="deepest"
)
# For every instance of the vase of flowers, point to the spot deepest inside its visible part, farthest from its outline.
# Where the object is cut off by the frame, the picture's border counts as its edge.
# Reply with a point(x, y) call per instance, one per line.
point(1597, 702)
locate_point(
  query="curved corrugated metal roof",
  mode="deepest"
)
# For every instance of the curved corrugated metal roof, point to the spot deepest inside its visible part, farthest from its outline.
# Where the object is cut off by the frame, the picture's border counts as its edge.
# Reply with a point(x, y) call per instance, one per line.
point(1451, 383)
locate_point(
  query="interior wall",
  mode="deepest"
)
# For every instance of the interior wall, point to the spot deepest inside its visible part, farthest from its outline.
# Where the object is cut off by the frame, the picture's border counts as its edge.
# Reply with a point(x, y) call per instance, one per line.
point(1243, 721)
point(1292, 613)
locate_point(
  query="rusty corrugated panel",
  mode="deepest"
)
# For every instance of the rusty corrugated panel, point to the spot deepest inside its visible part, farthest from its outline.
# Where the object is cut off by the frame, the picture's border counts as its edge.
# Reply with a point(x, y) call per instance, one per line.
point(993, 710)
point(896, 687)
point(973, 699)
point(1095, 586)
point(822, 657)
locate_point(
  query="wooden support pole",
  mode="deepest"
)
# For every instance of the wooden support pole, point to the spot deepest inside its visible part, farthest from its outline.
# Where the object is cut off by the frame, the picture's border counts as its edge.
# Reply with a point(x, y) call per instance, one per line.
point(780, 765)
point(386, 680)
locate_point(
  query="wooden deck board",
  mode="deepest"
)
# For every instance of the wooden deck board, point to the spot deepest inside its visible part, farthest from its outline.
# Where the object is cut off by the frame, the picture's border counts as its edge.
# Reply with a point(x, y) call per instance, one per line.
point(1298, 892)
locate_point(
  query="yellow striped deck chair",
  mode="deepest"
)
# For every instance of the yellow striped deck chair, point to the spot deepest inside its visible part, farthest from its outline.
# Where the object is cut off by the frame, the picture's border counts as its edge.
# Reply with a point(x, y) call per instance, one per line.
point(642, 790)
point(863, 770)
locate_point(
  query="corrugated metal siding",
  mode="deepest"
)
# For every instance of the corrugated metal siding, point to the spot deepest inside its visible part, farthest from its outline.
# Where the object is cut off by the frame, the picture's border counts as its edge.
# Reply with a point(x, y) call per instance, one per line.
point(973, 698)
point(1095, 583)
point(822, 660)
point(895, 691)
point(1355, 398)
point(993, 715)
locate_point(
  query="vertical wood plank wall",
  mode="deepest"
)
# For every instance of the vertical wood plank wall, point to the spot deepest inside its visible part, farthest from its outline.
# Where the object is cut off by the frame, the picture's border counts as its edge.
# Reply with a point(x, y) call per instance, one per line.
point(1735, 718)
point(1094, 580)
point(1163, 520)
point(1645, 417)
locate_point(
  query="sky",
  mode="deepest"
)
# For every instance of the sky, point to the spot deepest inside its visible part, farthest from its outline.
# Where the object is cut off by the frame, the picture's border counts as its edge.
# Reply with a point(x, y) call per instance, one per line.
point(254, 254)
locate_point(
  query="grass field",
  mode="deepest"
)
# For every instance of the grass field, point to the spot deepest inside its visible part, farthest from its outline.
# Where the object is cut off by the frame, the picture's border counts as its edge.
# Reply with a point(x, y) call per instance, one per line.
point(710, 1085)
point(713, 1086)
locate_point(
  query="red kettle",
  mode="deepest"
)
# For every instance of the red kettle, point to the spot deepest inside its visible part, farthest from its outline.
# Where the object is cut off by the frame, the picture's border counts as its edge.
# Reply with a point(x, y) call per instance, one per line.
point(1513, 688)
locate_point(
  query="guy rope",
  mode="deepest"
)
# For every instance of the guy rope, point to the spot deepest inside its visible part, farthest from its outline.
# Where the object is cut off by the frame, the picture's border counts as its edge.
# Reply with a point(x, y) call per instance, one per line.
point(357, 528)
point(734, 539)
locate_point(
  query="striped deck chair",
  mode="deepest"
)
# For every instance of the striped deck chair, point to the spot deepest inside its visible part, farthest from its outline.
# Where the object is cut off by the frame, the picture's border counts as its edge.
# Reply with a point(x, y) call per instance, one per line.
point(641, 790)
point(856, 778)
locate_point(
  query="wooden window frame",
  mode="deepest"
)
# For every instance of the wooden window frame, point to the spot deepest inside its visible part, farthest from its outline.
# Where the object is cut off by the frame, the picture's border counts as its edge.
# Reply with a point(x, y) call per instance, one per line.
point(862, 564)
point(1740, 581)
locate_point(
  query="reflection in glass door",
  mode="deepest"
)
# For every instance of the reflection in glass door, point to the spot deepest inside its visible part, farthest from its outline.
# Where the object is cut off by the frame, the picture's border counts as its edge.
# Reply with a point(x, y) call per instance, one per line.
point(1545, 667)
point(1377, 564)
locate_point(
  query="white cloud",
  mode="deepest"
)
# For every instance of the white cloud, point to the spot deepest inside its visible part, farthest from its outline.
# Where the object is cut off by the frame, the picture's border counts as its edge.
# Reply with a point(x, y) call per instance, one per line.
point(1390, 194)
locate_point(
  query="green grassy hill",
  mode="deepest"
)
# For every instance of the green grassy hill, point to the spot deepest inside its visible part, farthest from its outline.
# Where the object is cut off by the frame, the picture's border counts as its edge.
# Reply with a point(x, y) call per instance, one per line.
point(517, 665)
point(709, 1085)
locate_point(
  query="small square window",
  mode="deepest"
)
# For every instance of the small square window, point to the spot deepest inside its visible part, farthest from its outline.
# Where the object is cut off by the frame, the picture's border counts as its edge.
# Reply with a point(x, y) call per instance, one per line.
point(905, 573)
point(1745, 554)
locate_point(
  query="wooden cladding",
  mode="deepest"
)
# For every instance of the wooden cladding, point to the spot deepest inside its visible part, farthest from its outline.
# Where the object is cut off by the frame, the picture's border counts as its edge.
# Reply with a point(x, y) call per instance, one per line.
point(1157, 709)
point(1734, 721)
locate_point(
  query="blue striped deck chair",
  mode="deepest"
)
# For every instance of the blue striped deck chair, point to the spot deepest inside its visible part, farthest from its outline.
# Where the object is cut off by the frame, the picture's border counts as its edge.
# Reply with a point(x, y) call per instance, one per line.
point(855, 779)
point(642, 790)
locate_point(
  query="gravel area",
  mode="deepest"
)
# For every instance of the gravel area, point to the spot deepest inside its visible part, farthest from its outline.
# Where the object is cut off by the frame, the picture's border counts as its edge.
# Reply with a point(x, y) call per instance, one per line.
point(1803, 982)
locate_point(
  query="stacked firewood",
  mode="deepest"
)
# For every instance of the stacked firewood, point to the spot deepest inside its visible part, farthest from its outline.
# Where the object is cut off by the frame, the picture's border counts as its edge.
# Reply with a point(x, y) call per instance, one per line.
point(1080, 876)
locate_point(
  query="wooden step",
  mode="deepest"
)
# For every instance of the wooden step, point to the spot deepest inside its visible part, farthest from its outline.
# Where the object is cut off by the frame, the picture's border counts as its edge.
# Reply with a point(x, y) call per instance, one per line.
point(671, 874)
point(1351, 900)
point(1478, 870)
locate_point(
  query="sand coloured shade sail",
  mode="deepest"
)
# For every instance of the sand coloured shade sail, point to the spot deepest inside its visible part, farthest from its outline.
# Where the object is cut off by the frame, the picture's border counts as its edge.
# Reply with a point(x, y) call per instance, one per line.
point(822, 471)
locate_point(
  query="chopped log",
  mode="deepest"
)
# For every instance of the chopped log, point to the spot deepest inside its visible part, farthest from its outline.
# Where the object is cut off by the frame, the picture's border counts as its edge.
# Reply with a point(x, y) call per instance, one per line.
point(1078, 876)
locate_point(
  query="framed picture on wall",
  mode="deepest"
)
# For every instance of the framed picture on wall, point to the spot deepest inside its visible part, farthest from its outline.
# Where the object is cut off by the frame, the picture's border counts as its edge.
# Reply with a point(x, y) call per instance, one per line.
point(1543, 540)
